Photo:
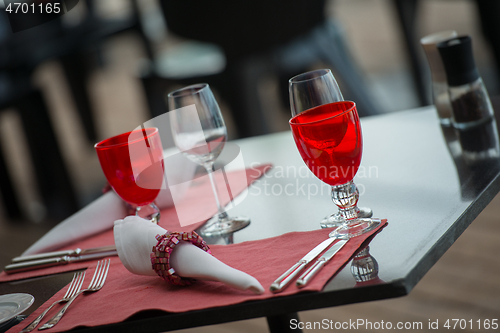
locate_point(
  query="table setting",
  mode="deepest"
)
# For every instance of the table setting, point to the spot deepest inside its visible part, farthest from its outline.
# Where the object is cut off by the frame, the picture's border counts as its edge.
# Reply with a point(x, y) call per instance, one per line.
point(146, 240)
point(128, 294)
point(150, 244)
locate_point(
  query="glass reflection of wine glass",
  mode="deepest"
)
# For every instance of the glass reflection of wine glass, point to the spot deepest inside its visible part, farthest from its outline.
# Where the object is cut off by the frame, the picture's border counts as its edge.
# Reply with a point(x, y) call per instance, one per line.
point(133, 165)
point(310, 90)
point(364, 268)
point(200, 134)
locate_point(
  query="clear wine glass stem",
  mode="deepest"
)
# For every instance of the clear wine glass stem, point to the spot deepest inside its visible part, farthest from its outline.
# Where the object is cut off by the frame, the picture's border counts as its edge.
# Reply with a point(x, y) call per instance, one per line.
point(346, 197)
point(149, 212)
point(222, 211)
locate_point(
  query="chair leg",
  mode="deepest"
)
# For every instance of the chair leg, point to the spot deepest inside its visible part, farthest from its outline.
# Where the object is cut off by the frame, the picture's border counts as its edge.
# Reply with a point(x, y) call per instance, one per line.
point(50, 169)
point(74, 67)
point(148, 47)
point(406, 12)
point(243, 96)
point(282, 323)
point(154, 90)
point(10, 201)
point(333, 49)
point(490, 25)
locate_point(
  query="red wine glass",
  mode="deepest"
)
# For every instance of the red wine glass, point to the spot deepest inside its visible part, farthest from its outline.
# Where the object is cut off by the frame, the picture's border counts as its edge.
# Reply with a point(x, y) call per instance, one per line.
point(307, 91)
point(133, 165)
point(329, 139)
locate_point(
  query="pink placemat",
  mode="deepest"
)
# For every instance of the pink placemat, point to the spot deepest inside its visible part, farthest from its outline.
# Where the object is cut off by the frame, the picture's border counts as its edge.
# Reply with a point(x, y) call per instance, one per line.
point(199, 202)
point(126, 294)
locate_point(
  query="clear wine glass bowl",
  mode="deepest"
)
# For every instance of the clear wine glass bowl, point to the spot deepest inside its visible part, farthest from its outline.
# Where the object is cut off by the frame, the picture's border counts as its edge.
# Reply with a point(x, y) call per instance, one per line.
point(200, 134)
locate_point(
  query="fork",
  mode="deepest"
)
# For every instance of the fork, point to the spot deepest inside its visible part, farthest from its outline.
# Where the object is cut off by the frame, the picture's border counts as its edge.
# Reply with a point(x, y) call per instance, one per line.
point(100, 274)
point(74, 287)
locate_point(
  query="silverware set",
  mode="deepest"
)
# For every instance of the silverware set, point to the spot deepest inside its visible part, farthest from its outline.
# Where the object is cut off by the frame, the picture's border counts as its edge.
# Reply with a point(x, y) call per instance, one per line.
point(284, 280)
point(102, 268)
point(316, 267)
point(49, 259)
point(73, 291)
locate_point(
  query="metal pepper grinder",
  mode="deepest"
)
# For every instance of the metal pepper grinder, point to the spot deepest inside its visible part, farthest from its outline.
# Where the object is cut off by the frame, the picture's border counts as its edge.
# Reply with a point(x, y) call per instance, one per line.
point(471, 105)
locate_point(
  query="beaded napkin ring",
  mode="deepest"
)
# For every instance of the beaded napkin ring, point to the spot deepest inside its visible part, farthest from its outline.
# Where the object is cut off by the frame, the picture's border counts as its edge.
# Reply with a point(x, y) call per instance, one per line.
point(160, 257)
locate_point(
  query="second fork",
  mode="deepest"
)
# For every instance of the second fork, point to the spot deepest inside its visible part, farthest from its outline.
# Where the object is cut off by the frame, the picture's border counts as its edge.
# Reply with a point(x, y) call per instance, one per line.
point(100, 274)
point(73, 289)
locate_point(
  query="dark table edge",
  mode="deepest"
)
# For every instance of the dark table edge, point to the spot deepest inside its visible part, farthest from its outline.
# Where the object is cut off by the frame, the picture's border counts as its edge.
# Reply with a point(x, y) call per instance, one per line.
point(252, 309)
point(450, 236)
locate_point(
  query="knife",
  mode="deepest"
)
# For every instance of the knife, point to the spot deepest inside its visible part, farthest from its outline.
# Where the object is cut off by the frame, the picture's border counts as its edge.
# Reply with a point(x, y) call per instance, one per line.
point(286, 277)
point(56, 261)
point(71, 253)
point(311, 271)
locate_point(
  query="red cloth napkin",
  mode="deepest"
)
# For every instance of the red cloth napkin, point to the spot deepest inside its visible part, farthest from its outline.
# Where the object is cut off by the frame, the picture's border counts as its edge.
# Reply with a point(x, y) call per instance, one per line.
point(198, 206)
point(125, 294)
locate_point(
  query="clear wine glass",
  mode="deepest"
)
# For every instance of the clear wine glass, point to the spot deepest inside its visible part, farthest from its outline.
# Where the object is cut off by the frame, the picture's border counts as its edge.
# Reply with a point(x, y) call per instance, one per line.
point(200, 134)
point(133, 165)
point(329, 139)
point(309, 90)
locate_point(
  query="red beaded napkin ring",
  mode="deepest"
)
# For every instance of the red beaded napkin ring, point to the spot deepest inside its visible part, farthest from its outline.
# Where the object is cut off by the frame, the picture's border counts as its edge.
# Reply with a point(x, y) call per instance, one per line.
point(160, 257)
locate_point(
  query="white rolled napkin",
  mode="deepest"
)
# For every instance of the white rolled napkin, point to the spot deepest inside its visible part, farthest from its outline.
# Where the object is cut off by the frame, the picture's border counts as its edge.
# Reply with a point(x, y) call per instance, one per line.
point(92, 219)
point(100, 215)
point(135, 238)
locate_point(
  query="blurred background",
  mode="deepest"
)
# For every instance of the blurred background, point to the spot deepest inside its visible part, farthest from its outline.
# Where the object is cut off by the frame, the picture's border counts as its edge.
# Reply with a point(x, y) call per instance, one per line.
point(104, 68)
